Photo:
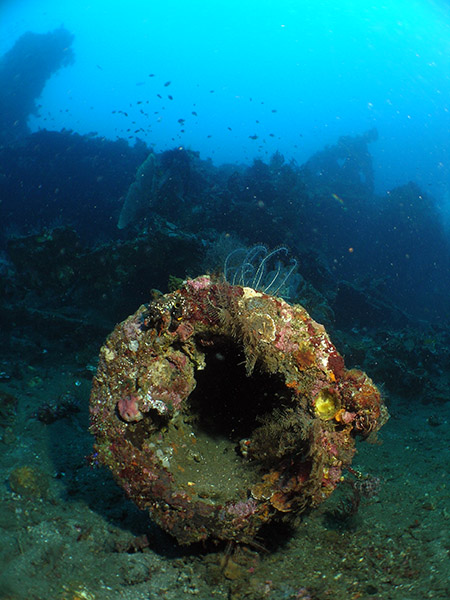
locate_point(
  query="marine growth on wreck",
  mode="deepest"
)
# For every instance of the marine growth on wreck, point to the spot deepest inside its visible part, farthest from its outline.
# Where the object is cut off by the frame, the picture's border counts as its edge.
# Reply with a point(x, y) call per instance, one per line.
point(220, 408)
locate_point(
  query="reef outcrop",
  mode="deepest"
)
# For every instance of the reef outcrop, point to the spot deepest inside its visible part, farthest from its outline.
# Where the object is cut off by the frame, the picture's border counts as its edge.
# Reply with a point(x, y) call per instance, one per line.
point(220, 408)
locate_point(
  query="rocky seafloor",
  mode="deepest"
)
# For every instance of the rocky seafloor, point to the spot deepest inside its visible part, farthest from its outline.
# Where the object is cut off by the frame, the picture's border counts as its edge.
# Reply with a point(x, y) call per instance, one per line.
point(67, 531)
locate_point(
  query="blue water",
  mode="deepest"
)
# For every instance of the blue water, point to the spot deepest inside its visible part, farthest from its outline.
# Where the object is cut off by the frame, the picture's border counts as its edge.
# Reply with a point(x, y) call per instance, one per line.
point(326, 68)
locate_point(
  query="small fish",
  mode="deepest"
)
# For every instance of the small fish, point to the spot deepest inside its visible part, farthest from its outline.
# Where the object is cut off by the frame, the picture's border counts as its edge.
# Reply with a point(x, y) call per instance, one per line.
point(151, 75)
point(181, 121)
point(170, 97)
point(253, 137)
point(274, 110)
point(167, 83)
point(159, 96)
point(194, 113)
point(338, 198)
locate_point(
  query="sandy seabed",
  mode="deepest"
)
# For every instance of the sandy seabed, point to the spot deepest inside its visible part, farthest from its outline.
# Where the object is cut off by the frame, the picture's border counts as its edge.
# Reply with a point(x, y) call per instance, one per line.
point(67, 532)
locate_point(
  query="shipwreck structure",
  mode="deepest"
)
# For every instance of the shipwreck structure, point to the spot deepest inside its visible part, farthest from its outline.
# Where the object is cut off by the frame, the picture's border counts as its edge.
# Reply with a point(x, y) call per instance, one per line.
point(220, 408)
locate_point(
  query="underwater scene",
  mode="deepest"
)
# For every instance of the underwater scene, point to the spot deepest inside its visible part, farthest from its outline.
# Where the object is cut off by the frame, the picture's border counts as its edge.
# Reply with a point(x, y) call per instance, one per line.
point(224, 300)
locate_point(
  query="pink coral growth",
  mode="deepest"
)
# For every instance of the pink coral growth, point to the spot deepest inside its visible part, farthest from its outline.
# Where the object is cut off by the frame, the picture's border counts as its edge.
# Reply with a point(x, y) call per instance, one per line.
point(132, 328)
point(243, 509)
point(347, 417)
point(201, 283)
point(284, 341)
point(129, 409)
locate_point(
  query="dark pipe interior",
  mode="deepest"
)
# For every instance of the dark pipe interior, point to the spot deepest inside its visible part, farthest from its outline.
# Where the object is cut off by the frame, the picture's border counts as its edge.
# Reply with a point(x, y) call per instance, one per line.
point(226, 401)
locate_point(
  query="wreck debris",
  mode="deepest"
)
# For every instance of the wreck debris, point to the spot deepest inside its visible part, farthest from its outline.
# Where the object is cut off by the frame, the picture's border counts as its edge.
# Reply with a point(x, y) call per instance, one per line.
point(219, 408)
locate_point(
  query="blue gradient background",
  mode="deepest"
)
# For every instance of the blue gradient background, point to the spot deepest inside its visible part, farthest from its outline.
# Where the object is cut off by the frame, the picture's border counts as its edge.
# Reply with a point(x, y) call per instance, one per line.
point(326, 68)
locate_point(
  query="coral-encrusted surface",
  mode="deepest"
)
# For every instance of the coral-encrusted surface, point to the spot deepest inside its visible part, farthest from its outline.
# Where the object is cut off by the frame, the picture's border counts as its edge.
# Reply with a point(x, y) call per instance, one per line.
point(219, 408)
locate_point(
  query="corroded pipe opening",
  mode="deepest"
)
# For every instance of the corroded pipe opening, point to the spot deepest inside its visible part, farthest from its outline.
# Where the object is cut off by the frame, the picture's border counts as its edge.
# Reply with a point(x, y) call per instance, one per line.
point(219, 408)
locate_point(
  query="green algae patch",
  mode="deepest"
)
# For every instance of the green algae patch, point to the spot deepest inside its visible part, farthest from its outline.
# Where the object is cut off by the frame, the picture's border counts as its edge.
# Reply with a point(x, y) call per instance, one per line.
point(29, 482)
